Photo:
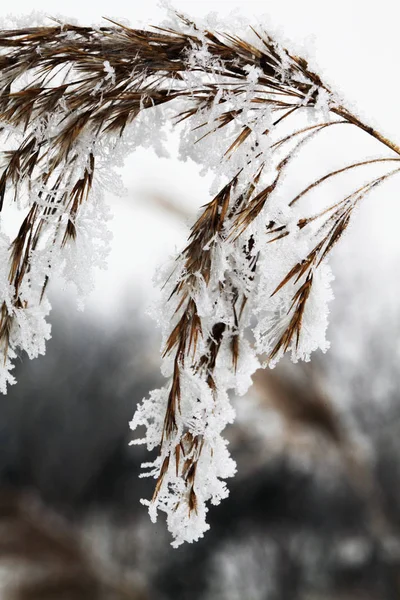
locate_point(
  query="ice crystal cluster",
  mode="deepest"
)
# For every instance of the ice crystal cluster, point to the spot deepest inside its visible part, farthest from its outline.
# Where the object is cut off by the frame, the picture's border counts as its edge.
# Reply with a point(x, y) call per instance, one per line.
point(252, 282)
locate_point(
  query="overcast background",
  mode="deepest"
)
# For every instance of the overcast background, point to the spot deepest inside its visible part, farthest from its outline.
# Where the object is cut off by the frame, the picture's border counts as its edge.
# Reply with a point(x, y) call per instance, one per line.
point(355, 47)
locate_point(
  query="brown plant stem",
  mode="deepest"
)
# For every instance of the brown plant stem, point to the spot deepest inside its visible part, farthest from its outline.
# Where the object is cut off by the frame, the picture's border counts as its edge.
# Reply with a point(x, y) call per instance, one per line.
point(343, 112)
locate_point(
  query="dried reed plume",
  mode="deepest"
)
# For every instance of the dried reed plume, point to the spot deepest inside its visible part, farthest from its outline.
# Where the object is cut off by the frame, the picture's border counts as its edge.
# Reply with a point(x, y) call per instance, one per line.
point(304, 407)
point(88, 84)
point(41, 559)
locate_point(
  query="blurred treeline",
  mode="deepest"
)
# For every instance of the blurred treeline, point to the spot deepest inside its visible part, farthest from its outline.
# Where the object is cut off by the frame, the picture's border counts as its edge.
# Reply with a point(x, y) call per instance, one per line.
point(313, 513)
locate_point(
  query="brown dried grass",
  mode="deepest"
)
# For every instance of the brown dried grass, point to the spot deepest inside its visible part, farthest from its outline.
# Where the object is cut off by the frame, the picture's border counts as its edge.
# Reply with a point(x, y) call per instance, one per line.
point(148, 68)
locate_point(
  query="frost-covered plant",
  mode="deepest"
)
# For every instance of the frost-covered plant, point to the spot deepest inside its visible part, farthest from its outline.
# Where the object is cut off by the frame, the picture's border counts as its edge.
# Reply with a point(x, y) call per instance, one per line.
point(73, 100)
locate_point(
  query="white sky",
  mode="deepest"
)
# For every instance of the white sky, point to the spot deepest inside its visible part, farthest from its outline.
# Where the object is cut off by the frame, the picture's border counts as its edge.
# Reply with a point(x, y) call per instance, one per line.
point(354, 44)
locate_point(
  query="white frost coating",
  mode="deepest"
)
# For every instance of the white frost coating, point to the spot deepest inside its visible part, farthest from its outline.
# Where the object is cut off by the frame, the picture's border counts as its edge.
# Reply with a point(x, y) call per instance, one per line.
point(203, 413)
point(206, 416)
point(29, 329)
point(227, 281)
point(72, 259)
point(110, 72)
